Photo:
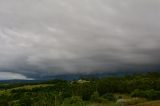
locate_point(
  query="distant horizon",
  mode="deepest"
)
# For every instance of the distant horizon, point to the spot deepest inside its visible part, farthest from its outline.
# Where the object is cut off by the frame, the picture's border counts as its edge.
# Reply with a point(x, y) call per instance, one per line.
point(74, 76)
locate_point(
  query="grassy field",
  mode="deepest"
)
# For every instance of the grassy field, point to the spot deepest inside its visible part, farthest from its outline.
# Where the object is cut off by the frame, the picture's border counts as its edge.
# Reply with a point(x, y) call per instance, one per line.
point(25, 87)
point(34, 86)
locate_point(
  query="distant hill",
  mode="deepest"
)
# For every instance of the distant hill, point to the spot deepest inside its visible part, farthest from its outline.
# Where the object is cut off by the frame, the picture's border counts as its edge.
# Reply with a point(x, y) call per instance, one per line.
point(78, 76)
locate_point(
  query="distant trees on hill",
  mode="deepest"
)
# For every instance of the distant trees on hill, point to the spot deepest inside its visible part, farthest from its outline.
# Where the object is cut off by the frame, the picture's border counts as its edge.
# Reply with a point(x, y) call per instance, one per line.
point(75, 92)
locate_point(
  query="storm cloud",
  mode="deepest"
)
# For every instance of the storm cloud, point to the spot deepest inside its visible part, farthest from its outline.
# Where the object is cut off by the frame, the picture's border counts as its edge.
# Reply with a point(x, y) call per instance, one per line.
point(44, 37)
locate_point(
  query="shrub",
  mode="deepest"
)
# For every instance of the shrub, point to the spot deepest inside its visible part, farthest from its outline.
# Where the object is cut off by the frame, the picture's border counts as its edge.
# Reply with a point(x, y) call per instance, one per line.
point(94, 96)
point(109, 96)
point(149, 94)
point(73, 101)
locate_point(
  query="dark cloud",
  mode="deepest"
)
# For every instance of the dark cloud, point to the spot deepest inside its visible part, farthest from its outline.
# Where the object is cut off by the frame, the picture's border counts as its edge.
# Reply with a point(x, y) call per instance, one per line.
point(59, 36)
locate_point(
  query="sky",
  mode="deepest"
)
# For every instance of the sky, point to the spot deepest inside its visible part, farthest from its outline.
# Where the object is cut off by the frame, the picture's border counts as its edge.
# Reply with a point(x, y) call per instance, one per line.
point(52, 37)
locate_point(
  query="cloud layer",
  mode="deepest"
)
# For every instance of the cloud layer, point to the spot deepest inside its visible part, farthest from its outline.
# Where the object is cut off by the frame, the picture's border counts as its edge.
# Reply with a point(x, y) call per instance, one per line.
point(44, 37)
point(12, 76)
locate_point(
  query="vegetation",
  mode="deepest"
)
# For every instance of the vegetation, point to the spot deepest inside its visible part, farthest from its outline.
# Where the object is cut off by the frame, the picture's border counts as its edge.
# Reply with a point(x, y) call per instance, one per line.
point(108, 91)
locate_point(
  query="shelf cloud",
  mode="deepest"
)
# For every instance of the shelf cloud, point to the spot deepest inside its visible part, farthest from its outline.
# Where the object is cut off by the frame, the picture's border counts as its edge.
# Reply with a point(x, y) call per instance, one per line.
point(50, 37)
point(13, 76)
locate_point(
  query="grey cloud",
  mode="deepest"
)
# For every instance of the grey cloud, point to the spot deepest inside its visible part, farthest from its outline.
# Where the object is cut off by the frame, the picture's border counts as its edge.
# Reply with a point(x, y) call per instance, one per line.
point(12, 76)
point(59, 36)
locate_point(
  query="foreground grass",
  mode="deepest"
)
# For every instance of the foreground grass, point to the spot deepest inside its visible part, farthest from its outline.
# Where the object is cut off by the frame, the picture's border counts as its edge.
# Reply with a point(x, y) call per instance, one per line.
point(101, 104)
point(149, 103)
point(146, 103)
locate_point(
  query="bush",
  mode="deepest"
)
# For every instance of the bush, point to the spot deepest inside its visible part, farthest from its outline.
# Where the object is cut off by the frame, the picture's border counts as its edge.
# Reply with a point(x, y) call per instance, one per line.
point(73, 101)
point(148, 94)
point(94, 96)
point(109, 96)
point(25, 101)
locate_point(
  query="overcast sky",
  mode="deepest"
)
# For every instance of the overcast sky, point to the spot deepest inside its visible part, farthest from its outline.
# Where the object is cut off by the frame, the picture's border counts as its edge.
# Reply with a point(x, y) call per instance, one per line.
point(49, 37)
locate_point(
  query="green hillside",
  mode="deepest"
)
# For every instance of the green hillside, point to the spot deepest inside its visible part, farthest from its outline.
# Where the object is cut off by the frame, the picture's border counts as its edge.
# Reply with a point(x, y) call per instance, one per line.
point(133, 90)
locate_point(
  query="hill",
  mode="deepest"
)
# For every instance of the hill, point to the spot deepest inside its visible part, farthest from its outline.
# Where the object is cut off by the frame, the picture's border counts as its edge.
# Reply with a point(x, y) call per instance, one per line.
point(128, 90)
